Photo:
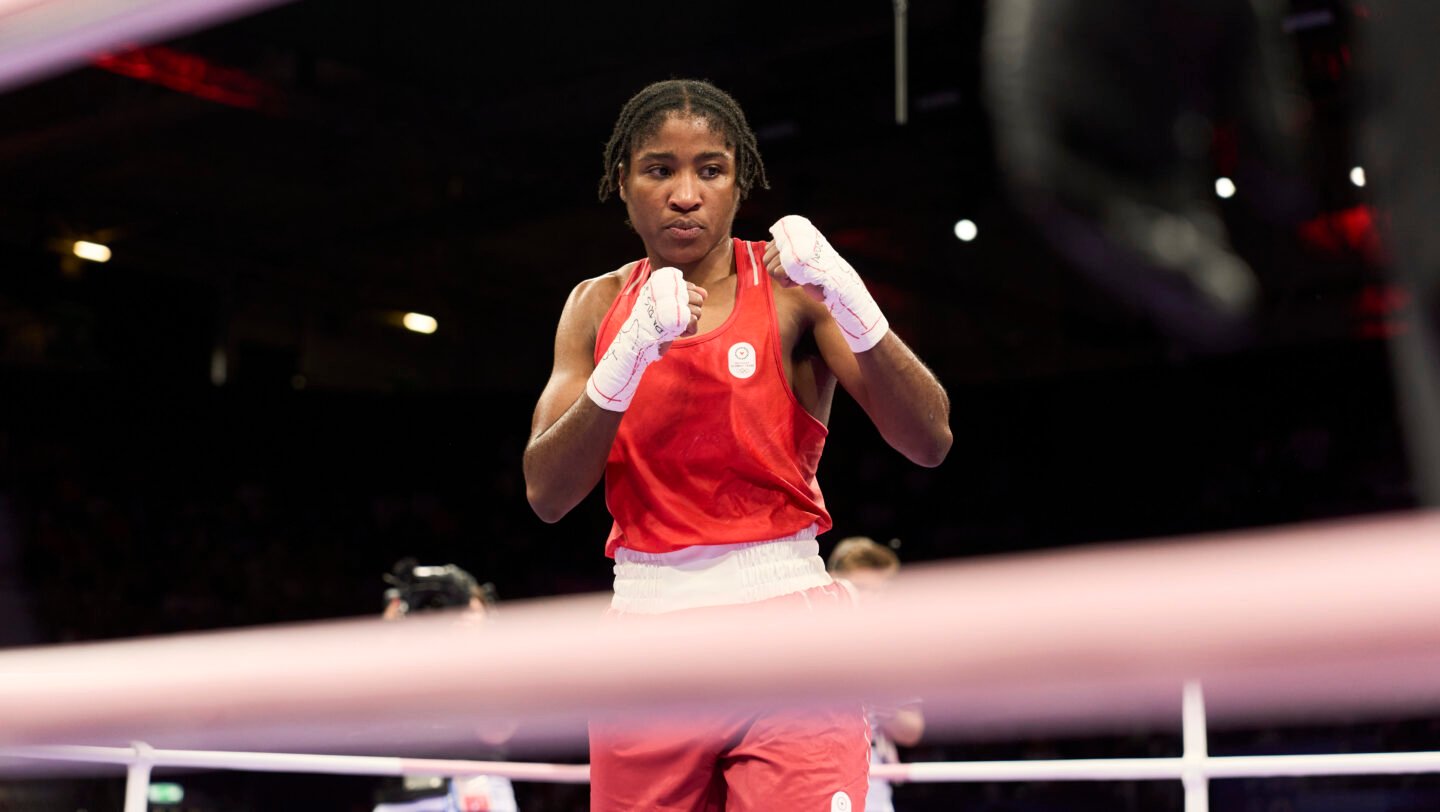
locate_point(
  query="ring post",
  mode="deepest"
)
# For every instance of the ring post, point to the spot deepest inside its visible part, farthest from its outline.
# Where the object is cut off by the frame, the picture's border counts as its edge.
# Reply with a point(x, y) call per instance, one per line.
point(1193, 775)
point(137, 779)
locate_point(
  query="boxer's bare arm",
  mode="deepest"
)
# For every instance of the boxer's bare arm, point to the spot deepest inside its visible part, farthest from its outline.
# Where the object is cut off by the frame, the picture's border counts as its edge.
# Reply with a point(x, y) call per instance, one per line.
point(580, 409)
point(569, 435)
point(901, 395)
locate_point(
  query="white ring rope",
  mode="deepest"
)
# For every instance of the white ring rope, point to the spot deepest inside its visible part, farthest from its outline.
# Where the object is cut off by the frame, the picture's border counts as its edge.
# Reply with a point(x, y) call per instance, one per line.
point(305, 763)
point(1194, 769)
point(1099, 769)
point(42, 37)
point(1155, 769)
point(1335, 616)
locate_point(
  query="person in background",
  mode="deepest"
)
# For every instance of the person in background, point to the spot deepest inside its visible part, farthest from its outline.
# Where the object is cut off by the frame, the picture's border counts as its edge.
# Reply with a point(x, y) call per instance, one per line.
point(414, 589)
point(868, 568)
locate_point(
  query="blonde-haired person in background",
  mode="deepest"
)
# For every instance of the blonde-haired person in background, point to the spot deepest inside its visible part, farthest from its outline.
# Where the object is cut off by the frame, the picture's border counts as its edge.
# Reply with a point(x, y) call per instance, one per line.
point(867, 568)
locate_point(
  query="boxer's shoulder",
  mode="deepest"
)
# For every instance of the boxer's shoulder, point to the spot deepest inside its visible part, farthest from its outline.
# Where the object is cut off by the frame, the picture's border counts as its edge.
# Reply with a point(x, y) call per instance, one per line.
point(599, 292)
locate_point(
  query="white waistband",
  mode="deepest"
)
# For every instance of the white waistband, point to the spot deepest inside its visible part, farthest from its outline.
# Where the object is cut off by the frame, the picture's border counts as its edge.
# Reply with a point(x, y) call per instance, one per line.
point(717, 574)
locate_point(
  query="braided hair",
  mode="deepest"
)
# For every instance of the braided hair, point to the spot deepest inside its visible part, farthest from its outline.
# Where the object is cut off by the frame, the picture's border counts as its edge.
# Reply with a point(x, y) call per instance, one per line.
point(643, 116)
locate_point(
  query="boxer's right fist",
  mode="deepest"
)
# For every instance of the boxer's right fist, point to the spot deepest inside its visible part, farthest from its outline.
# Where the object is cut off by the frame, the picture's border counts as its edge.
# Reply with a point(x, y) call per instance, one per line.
point(666, 308)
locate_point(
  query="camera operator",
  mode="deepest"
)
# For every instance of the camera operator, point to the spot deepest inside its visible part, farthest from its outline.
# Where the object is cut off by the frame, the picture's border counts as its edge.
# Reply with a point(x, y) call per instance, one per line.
point(413, 589)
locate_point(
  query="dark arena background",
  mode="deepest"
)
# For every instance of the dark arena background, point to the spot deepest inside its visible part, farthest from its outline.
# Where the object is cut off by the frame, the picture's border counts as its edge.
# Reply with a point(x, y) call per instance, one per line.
point(1168, 259)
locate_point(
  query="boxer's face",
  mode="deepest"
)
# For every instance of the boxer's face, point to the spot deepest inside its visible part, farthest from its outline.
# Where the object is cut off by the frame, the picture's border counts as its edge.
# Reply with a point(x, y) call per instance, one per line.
point(679, 189)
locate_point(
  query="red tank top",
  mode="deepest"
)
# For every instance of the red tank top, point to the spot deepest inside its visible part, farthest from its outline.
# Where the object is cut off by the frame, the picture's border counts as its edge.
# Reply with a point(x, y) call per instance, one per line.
point(715, 449)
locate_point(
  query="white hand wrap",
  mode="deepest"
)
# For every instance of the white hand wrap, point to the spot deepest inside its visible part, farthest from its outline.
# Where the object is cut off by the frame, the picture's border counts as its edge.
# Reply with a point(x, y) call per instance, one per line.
point(809, 260)
point(661, 314)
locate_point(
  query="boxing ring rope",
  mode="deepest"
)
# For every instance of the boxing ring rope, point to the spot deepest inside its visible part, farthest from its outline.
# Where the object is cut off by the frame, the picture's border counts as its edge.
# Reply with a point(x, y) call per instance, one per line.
point(39, 38)
point(1336, 616)
point(1194, 768)
point(140, 753)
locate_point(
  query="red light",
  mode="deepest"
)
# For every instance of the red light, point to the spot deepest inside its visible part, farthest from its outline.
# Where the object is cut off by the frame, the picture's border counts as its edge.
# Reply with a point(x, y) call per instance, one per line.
point(1380, 330)
point(1382, 300)
point(191, 75)
point(1349, 230)
point(1380, 308)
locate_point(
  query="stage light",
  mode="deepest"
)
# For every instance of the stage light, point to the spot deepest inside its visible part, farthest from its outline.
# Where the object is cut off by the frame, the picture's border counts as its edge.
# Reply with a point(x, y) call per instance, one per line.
point(420, 323)
point(1225, 188)
point(92, 251)
point(966, 230)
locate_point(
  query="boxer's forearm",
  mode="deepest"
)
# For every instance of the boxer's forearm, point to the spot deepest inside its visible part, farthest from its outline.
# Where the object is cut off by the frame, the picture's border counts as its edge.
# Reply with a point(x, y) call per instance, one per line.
point(902, 397)
point(566, 459)
point(565, 462)
point(906, 401)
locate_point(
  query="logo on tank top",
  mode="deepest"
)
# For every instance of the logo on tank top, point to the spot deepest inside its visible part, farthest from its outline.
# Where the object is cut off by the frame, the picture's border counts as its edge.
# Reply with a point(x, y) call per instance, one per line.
point(840, 802)
point(742, 359)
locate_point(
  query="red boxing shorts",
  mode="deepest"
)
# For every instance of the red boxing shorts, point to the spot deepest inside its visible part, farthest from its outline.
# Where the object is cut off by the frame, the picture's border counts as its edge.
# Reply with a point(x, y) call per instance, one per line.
point(783, 759)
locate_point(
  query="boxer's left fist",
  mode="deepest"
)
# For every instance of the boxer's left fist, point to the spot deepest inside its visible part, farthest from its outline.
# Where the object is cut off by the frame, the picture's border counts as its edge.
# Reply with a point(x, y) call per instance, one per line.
point(799, 254)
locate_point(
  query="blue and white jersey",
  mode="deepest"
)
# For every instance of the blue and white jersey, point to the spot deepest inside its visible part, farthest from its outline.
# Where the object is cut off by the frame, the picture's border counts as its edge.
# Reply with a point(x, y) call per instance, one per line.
point(481, 793)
